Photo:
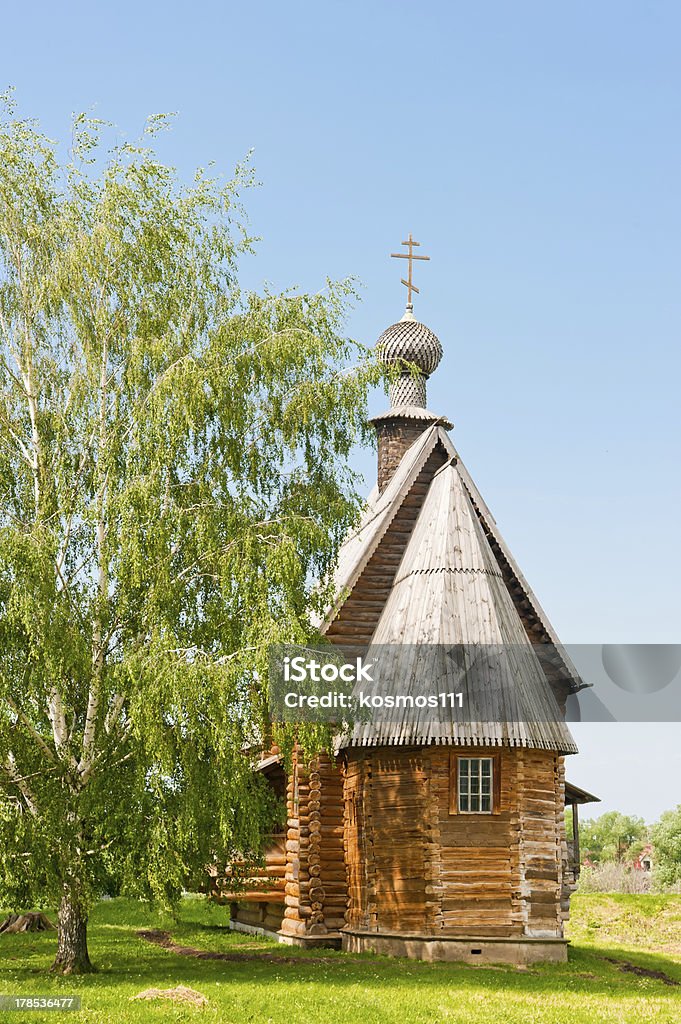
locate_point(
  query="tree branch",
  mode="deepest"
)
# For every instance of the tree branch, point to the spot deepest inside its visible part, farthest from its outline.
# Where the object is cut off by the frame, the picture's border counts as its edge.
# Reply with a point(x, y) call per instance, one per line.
point(10, 767)
point(32, 730)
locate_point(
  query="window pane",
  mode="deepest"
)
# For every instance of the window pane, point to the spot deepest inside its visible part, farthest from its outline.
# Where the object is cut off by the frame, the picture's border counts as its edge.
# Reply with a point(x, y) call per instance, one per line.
point(475, 776)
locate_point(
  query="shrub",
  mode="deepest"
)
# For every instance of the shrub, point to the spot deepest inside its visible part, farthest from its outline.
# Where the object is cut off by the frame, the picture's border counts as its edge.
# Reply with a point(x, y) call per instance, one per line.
point(614, 877)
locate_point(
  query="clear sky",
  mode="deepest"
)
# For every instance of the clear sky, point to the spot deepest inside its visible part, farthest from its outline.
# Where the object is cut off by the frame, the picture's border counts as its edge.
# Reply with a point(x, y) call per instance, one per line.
point(534, 150)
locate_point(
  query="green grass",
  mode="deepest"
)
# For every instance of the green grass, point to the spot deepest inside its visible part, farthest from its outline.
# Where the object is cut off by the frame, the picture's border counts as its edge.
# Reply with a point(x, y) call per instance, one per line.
point(332, 988)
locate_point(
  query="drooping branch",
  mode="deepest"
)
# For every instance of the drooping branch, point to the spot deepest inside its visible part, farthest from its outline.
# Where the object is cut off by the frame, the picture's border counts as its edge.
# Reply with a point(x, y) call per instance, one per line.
point(25, 368)
point(61, 557)
point(99, 641)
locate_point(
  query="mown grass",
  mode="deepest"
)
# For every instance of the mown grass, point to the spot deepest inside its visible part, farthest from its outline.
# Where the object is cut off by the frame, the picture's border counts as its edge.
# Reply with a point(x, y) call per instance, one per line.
point(332, 988)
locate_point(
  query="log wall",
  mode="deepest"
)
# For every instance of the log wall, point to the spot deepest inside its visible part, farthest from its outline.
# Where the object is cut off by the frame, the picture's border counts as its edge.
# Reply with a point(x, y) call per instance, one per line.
point(376, 844)
point(413, 866)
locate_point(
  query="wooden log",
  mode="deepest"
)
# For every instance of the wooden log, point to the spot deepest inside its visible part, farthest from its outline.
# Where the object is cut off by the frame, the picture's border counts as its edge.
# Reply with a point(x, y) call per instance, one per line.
point(291, 927)
point(276, 871)
point(331, 857)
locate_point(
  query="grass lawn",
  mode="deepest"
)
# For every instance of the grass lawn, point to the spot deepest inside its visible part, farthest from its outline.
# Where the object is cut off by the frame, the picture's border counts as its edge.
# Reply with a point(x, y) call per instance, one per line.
point(321, 987)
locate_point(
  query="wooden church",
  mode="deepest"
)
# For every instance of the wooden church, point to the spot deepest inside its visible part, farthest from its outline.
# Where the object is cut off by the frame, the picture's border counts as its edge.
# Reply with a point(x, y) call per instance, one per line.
point(439, 840)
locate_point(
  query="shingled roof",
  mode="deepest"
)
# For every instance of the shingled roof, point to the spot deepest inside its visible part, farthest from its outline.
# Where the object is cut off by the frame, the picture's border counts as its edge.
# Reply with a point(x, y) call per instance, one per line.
point(427, 565)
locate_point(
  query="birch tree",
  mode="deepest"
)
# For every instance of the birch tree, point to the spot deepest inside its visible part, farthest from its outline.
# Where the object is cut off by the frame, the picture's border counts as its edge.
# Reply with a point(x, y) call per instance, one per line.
point(173, 479)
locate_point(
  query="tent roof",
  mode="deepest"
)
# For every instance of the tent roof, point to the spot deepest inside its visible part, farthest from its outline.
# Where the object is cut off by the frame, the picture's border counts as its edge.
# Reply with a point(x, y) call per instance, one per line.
point(452, 581)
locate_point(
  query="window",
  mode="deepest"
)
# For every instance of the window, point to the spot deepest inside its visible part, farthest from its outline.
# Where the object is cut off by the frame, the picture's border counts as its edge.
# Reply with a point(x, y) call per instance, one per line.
point(474, 783)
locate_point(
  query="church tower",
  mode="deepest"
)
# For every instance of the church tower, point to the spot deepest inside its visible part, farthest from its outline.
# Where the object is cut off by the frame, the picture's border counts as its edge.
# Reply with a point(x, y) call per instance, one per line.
point(455, 842)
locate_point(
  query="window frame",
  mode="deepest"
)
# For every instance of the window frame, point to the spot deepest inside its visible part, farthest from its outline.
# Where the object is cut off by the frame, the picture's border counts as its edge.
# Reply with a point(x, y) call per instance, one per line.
point(455, 777)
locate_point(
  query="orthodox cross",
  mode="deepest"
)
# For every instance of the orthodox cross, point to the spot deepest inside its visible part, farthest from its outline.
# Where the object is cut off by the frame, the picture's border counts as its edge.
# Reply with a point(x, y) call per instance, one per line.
point(410, 286)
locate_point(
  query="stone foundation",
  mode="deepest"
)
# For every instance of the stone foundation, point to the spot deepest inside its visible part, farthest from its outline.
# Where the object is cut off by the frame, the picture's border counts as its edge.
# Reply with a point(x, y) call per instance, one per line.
point(473, 950)
point(332, 940)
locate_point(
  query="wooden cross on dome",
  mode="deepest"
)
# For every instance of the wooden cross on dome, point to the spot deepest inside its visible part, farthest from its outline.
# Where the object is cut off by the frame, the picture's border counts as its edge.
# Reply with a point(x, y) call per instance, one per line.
point(409, 285)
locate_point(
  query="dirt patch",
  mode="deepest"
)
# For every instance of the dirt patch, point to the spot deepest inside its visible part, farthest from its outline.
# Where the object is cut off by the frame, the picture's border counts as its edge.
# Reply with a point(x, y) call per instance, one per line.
point(641, 972)
point(181, 994)
point(165, 940)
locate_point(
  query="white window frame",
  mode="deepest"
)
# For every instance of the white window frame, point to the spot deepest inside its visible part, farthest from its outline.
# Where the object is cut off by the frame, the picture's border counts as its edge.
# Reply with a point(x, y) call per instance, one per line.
point(467, 795)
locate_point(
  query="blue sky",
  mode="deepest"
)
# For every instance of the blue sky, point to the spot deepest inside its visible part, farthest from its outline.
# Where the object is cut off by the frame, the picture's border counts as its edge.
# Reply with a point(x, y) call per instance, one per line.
point(534, 151)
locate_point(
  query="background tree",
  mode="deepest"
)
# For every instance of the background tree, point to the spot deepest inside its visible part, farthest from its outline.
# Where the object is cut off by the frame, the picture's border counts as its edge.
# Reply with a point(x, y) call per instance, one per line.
point(173, 479)
point(612, 837)
point(666, 837)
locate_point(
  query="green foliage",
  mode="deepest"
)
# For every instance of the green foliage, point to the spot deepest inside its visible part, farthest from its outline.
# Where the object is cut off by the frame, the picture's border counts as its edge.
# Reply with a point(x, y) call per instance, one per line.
point(612, 837)
point(666, 837)
point(173, 481)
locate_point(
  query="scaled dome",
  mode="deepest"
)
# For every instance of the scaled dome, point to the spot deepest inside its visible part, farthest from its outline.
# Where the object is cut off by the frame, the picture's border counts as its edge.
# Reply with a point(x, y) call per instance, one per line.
point(411, 341)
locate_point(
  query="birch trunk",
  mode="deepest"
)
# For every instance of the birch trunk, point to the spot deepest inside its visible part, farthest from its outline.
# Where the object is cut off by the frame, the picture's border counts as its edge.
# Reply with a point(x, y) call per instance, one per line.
point(72, 952)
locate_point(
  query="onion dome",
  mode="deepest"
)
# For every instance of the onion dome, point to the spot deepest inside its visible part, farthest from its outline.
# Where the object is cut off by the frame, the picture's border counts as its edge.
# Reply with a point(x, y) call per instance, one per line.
point(409, 341)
